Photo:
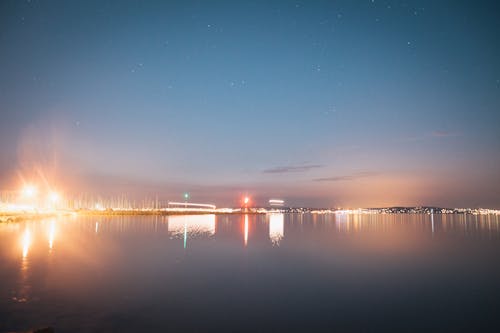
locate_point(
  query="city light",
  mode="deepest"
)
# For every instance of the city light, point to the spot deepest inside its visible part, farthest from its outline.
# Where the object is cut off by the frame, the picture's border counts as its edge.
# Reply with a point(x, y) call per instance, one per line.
point(276, 202)
point(29, 191)
point(33, 198)
point(185, 205)
point(54, 197)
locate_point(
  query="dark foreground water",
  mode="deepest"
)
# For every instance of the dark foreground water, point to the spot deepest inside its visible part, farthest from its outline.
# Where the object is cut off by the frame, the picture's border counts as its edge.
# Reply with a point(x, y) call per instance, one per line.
point(255, 273)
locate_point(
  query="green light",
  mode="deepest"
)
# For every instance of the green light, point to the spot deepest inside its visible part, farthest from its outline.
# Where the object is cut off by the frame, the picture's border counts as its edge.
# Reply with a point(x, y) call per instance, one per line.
point(186, 196)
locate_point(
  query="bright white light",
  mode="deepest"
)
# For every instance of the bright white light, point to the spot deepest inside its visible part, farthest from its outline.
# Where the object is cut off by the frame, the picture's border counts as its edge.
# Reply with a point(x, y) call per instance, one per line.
point(54, 197)
point(189, 204)
point(276, 202)
point(29, 191)
point(246, 200)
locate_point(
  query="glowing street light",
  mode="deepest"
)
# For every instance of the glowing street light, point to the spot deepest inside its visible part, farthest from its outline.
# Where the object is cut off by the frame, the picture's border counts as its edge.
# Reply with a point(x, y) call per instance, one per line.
point(246, 200)
point(29, 191)
point(54, 197)
point(186, 196)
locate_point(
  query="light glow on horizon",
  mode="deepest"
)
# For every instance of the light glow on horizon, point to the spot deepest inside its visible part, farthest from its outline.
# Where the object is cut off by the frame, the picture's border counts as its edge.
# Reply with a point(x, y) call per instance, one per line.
point(184, 204)
point(54, 197)
point(29, 191)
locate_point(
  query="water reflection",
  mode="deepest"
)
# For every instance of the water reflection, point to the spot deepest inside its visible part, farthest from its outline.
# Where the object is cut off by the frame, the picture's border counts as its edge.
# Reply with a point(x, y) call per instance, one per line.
point(350, 259)
point(272, 229)
point(22, 291)
point(245, 230)
point(26, 242)
point(191, 225)
point(52, 231)
point(276, 228)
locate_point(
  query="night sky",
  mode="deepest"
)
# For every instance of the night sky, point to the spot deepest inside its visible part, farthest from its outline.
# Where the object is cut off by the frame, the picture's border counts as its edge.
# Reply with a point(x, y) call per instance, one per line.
point(322, 103)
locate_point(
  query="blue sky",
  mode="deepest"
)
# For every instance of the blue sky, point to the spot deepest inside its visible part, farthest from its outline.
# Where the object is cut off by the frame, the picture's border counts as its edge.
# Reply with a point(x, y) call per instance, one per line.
point(352, 103)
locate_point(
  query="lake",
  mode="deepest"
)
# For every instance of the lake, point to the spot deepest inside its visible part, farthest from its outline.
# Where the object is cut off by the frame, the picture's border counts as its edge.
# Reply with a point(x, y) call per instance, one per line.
point(252, 273)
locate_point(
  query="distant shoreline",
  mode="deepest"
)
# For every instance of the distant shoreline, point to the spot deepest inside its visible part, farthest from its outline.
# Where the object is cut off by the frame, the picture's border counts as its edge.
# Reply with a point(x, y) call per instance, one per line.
point(26, 216)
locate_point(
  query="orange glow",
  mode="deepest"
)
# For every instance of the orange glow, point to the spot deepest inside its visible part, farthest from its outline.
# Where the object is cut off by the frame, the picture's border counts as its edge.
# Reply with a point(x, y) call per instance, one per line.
point(246, 230)
point(26, 241)
point(52, 232)
point(246, 200)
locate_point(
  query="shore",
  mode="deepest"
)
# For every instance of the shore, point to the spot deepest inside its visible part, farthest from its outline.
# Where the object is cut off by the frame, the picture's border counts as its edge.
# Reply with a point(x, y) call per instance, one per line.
point(25, 216)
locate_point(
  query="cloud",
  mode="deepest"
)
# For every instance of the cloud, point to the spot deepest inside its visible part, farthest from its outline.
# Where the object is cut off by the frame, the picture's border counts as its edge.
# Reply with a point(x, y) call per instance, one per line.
point(433, 135)
point(353, 176)
point(288, 169)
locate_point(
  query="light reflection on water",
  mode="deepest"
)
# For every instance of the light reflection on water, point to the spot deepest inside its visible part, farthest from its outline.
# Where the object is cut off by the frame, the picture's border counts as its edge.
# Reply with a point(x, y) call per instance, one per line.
point(154, 271)
point(245, 237)
point(52, 231)
point(191, 225)
point(276, 227)
point(26, 242)
point(194, 224)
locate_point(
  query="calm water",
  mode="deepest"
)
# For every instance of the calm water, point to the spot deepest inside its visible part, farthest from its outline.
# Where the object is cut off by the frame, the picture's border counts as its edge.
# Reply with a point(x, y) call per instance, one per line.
point(255, 273)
